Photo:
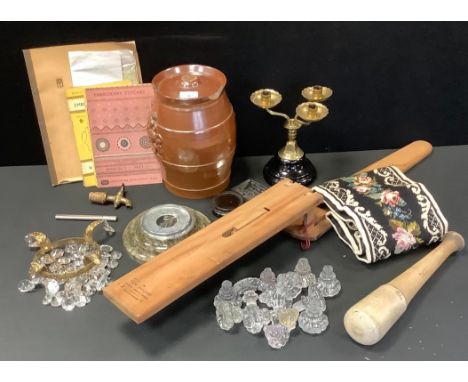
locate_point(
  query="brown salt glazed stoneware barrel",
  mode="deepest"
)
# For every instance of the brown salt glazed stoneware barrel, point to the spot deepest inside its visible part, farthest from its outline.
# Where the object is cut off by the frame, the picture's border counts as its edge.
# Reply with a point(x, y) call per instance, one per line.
point(193, 130)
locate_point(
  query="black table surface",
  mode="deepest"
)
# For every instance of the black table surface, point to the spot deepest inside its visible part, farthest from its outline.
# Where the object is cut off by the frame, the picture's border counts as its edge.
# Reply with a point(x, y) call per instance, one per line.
point(434, 327)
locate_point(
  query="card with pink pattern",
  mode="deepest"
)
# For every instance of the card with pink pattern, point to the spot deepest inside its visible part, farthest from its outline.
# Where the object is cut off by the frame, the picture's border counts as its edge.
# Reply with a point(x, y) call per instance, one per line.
point(122, 150)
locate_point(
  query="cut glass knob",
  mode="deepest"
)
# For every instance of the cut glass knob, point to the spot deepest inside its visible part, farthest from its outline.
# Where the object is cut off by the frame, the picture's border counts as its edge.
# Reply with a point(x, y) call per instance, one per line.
point(289, 285)
point(227, 293)
point(250, 298)
point(254, 318)
point(327, 283)
point(227, 315)
point(314, 292)
point(268, 277)
point(311, 279)
point(288, 317)
point(227, 303)
point(273, 299)
point(277, 335)
point(303, 269)
point(312, 320)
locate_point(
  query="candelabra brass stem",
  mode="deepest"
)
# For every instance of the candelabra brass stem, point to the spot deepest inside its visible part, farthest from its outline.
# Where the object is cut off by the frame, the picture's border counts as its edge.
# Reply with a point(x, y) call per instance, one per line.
point(292, 134)
point(291, 151)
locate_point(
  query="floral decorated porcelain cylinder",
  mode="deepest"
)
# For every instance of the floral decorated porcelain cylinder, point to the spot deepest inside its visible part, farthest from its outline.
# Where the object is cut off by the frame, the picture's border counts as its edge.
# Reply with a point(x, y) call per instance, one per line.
point(193, 130)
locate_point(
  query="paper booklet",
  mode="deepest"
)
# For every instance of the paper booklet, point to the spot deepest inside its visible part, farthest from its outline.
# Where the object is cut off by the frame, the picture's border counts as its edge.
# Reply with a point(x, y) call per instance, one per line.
point(79, 117)
point(122, 152)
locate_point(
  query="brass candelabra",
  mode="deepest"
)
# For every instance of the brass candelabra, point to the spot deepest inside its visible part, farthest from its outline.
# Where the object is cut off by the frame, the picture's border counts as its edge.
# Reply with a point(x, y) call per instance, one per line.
point(290, 161)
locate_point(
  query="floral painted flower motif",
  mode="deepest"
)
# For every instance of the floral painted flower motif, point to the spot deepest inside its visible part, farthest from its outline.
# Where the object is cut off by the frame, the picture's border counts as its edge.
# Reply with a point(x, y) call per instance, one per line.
point(362, 183)
point(364, 179)
point(362, 189)
point(404, 239)
point(398, 213)
point(406, 235)
point(390, 198)
point(406, 232)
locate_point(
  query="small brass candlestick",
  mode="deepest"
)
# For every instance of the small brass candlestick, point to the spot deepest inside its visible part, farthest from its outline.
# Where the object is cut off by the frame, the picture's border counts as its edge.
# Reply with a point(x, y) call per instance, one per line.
point(290, 161)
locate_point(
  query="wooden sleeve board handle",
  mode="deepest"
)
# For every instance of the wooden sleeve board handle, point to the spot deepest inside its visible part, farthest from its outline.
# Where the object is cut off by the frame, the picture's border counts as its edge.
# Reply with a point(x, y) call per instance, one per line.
point(157, 283)
point(404, 158)
point(371, 318)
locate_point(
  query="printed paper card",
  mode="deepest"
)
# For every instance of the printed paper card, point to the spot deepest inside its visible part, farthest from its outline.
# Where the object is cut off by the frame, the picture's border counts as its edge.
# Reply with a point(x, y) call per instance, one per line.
point(79, 117)
point(122, 150)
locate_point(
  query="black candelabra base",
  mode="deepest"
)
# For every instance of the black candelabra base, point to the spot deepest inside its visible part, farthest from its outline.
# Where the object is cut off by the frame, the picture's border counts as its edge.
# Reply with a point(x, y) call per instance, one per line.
point(301, 171)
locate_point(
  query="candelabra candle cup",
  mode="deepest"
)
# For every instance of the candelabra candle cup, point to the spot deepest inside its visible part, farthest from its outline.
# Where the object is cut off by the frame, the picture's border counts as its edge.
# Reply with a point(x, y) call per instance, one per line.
point(193, 130)
point(290, 161)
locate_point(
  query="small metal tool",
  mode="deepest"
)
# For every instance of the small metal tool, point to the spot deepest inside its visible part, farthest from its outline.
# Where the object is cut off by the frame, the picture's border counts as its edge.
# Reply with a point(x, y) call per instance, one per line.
point(85, 217)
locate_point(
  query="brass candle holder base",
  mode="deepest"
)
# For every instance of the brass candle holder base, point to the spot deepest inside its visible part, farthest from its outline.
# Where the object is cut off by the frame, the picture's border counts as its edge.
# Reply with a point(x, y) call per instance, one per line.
point(290, 162)
point(301, 171)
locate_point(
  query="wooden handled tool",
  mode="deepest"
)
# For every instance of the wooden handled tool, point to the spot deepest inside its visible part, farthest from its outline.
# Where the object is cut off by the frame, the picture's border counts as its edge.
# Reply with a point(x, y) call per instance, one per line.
point(405, 158)
point(157, 283)
point(370, 319)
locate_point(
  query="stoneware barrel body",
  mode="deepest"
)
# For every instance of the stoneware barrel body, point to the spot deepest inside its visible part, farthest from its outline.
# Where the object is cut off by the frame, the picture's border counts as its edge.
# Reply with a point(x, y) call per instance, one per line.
point(193, 130)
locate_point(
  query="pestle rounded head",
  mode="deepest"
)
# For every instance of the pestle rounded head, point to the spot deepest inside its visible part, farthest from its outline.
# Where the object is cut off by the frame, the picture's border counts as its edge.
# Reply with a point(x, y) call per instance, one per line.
point(371, 318)
point(457, 239)
point(361, 327)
